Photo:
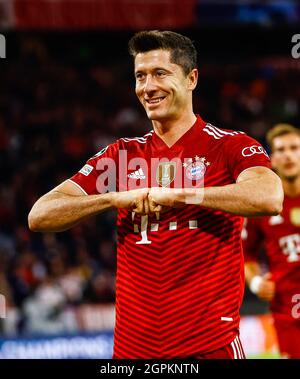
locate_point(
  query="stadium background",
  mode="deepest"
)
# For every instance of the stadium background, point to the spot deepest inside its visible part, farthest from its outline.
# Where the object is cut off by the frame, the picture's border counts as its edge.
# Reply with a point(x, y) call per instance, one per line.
point(66, 91)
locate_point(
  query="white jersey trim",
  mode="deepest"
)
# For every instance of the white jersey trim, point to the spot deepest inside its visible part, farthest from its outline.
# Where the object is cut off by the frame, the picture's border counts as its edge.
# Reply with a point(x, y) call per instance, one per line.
point(214, 130)
point(211, 133)
point(234, 350)
point(240, 347)
point(237, 350)
point(219, 133)
point(102, 151)
point(139, 139)
point(77, 185)
point(226, 319)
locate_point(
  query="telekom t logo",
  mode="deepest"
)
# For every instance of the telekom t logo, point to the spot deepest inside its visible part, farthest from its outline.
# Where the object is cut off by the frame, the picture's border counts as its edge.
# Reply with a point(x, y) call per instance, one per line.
point(290, 246)
point(2, 46)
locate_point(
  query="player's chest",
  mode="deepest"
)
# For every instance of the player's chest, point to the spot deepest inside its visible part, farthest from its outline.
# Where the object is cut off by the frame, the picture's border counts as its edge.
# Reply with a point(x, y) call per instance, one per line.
point(191, 166)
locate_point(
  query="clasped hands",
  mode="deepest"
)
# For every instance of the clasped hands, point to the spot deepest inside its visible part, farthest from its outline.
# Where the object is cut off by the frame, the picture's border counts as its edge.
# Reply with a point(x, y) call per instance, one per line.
point(147, 201)
point(155, 200)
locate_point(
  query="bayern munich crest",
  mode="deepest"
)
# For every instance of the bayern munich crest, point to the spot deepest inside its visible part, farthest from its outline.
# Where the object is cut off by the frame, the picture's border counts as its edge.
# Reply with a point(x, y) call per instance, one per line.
point(195, 168)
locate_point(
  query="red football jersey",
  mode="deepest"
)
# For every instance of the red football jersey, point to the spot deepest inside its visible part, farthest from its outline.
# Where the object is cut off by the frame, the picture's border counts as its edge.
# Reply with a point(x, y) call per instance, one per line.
point(280, 237)
point(180, 279)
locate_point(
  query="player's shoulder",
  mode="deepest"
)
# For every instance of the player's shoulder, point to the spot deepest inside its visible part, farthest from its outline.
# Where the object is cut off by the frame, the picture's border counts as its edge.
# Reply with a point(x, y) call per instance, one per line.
point(107, 150)
point(230, 140)
point(215, 133)
point(124, 143)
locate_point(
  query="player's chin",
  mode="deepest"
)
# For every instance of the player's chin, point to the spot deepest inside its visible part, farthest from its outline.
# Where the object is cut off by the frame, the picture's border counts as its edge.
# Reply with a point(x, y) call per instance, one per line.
point(153, 112)
point(154, 116)
point(291, 175)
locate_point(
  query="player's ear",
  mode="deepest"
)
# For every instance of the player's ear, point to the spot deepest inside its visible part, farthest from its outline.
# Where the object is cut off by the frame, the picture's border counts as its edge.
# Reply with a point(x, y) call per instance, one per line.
point(192, 79)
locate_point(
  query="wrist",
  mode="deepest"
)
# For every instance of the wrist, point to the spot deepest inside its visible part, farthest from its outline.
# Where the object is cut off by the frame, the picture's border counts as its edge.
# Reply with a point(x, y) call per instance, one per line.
point(193, 196)
point(112, 199)
point(255, 284)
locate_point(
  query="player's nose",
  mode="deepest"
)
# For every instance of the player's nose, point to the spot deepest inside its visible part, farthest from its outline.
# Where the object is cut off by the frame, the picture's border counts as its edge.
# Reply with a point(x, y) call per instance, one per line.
point(150, 84)
point(289, 156)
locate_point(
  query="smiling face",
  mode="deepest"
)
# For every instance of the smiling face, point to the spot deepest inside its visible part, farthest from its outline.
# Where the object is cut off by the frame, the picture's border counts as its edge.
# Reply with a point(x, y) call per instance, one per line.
point(286, 156)
point(162, 87)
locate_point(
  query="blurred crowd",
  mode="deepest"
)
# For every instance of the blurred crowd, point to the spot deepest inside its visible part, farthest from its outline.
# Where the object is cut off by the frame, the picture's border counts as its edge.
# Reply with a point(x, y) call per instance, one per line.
point(54, 115)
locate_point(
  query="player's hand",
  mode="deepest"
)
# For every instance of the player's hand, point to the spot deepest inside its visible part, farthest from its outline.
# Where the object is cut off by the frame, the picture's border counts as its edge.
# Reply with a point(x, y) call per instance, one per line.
point(133, 200)
point(266, 290)
point(162, 199)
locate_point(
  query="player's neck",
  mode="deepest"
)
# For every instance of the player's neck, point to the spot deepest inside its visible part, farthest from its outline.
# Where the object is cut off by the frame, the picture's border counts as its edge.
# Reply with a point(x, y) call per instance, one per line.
point(171, 131)
point(291, 187)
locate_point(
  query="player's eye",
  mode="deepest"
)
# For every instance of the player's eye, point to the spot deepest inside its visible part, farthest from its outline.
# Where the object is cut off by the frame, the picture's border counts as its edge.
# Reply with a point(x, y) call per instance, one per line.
point(160, 73)
point(139, 76)
point(295, 148)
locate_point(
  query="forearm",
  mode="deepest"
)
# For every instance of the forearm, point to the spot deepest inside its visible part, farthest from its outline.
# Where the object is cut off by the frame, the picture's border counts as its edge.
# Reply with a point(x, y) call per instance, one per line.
point(245, 199)
point(55, 211)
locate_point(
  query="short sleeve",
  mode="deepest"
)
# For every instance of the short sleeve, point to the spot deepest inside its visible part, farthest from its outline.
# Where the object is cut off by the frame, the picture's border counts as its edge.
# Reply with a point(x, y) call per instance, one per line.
point(243, 152)
point(252, 238)
point(98, 175)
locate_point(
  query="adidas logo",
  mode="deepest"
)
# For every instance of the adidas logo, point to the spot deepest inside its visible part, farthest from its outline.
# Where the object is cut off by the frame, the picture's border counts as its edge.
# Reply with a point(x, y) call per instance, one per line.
point(139, 174)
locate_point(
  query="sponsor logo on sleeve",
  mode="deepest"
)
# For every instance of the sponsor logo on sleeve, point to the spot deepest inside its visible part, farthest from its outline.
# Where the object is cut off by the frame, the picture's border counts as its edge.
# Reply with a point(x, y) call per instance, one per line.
point(86, 169)
point(254, 149)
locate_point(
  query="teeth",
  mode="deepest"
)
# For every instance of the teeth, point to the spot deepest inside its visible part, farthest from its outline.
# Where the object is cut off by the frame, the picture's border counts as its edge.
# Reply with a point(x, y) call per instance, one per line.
point(155, 101)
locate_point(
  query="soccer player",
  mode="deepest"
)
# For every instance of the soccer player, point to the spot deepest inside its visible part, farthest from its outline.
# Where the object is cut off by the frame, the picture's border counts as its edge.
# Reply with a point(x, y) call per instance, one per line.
point(180, 191)
point(280, 236)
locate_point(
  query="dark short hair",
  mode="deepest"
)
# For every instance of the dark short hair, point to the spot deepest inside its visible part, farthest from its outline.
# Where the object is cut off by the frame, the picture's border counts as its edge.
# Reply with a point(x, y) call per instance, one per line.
point(279, 130)
point(183, 52)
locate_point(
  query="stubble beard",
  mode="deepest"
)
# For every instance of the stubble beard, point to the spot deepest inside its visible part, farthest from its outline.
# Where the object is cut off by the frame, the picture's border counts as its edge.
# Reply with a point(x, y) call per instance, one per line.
point(291, 178)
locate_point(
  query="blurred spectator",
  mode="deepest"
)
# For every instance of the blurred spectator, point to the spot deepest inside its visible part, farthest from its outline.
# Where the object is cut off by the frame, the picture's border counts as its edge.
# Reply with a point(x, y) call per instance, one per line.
point(43, 311)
